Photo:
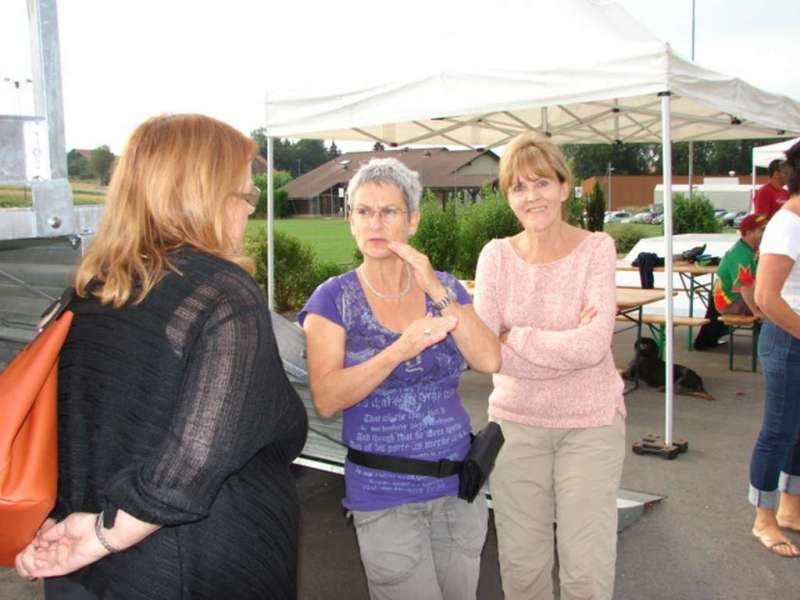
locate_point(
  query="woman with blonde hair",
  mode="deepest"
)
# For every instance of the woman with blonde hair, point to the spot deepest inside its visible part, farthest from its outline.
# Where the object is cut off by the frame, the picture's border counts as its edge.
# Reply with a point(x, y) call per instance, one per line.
point(549, 293)
point(177, 424)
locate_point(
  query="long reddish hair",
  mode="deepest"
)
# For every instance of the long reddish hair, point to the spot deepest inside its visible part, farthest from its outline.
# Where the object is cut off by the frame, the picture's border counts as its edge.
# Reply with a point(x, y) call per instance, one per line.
point(168, 190)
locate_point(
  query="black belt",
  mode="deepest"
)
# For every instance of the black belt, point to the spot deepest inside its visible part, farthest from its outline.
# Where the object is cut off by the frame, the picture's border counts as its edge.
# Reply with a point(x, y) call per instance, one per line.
point(409, 466)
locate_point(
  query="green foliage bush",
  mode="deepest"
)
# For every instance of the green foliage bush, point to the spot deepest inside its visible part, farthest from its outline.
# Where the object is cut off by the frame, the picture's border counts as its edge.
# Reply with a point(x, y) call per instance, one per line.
point(573, 211)
point(479, 223)
point(280, 197)
point(595, 209)
point(297, 270)
point(693, 215)
point(437, 234)
point(626, 237)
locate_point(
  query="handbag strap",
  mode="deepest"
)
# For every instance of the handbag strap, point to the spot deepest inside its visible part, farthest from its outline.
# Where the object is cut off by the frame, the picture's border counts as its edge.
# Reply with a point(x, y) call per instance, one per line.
point(408, 466)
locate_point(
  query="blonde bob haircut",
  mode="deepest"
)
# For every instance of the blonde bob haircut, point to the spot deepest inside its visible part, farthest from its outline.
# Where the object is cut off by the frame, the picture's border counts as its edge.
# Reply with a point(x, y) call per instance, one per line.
point(530, 154)
point(168, 191)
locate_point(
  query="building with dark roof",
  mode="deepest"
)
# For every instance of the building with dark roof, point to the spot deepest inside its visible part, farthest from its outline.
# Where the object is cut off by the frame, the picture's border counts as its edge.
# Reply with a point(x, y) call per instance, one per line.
point(443, 171)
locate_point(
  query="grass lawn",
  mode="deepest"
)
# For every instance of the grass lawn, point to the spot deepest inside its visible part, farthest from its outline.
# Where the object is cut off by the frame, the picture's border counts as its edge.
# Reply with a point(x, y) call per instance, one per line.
point(329, 237)
point(648, 230)
point(613, 229)
point(83, 192)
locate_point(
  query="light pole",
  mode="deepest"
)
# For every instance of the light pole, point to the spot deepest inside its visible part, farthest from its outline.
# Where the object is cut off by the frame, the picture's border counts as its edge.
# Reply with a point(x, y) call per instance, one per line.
point(691, 146)
point(17, 83)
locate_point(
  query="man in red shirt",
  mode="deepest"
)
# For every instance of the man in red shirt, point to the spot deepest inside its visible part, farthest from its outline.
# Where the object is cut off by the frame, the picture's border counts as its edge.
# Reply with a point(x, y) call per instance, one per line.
point(771, 196)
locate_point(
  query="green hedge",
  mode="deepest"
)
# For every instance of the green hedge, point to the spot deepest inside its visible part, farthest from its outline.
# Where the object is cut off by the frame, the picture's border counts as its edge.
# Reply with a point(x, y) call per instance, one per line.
point(693, 215)
point(452, 237)
point(298, 271)
point(627, 236)
point(280, 198)
point(437, 234)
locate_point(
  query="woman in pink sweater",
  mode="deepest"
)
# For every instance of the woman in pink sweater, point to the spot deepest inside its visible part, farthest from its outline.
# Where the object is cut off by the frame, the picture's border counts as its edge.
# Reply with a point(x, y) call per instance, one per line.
point(549, 293)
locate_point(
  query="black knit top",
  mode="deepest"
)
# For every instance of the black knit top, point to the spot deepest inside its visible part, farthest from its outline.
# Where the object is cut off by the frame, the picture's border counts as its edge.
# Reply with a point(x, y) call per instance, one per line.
point(177, 410)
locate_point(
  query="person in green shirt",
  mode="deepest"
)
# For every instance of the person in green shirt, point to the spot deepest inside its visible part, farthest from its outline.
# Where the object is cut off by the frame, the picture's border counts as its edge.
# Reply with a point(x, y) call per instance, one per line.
point(736, 276)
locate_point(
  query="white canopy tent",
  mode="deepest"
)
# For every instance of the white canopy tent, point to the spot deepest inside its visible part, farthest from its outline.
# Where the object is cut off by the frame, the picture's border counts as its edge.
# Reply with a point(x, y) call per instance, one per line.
point(580, 71)
point(763, 155)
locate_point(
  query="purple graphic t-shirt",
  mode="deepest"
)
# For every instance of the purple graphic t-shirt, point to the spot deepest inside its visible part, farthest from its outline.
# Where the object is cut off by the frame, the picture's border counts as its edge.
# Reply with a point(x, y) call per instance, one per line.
point(416, 412)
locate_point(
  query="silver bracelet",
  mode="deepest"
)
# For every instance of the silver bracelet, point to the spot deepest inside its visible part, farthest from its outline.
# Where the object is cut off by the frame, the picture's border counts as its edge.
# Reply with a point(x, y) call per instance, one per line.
point(448, 299)
point(98, 530)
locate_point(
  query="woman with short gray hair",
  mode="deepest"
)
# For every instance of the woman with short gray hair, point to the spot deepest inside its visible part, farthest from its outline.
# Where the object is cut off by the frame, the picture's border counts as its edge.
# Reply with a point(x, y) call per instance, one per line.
point(386, 344)
point(389, 171)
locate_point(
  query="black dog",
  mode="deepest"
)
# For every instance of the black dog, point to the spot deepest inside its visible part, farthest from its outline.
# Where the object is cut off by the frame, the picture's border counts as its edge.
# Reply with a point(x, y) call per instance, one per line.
point(651, 371)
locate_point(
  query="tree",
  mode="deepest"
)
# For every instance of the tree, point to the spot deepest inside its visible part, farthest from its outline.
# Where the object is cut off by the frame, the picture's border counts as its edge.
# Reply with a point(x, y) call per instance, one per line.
point(709, 158)
point(595, 209)
point(101, 160)
point(77, 165)
point(311, 154)
point(593, 159)
point(296, 158)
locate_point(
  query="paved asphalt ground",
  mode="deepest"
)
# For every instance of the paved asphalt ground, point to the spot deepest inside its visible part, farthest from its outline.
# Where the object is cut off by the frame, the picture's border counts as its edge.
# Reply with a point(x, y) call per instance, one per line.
point(693, 545)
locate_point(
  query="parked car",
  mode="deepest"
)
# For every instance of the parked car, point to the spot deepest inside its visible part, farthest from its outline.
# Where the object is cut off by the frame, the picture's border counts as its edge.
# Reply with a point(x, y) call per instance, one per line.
point(738, 220)
point(729, 217)
point(658, 219)
point(616, 216)
point(642, 217)
point(719, 213)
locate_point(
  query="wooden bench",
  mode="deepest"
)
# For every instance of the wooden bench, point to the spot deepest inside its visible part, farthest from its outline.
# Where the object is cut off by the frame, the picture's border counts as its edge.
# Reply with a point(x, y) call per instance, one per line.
point(658, 326)
point(735, 322)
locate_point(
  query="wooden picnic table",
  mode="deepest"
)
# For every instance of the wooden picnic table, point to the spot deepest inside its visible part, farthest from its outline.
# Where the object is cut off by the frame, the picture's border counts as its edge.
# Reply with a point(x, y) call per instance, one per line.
point(691, 275)
point(633, 297)
point(677, 267)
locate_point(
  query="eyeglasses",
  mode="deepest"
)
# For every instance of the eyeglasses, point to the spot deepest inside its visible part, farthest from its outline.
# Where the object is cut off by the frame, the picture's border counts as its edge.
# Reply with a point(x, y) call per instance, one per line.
point(252, 197)
point(387, 214)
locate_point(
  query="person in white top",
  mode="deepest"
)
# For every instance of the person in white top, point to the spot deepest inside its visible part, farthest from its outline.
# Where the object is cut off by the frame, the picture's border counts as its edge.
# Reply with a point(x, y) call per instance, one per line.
point(775, 464)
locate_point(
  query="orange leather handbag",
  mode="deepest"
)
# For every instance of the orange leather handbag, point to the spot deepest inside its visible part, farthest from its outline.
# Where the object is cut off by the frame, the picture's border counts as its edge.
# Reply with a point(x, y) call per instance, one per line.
point(28, 433)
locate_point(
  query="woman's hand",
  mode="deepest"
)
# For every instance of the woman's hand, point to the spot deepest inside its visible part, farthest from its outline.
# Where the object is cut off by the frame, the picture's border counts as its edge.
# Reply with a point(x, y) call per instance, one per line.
point(424, 333)
point(587, 314)
point(421, 268)
point(61, 548)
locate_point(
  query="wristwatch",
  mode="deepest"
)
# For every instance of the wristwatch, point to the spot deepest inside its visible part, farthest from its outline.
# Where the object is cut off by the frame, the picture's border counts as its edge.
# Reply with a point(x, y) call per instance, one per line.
point(448, 299)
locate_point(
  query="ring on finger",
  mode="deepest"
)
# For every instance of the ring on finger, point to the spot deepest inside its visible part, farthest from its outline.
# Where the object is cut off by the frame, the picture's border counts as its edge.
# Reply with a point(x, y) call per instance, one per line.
point(427, 332)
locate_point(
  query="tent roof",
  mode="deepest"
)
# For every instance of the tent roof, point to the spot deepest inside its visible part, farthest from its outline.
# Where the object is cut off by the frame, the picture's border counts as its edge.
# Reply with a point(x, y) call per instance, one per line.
point(596, 81)
point(763, 155)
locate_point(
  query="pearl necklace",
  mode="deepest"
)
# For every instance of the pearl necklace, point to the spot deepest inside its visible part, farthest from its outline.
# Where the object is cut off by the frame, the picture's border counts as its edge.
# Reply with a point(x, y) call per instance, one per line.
point(388, 296)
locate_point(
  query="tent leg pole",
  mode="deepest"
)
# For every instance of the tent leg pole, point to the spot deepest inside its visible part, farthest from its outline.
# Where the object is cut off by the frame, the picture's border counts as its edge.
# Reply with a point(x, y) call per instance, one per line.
point(666, 153)
point(270, 219)
point(653, 444)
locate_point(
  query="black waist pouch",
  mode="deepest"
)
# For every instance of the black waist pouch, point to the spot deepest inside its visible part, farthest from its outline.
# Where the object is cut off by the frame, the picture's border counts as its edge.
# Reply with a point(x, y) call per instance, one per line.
point(479, 461)
point(472, 472)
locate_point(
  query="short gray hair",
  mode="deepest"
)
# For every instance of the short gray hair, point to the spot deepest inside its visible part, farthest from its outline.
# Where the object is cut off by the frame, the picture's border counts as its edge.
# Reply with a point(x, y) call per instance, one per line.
point(392, 172)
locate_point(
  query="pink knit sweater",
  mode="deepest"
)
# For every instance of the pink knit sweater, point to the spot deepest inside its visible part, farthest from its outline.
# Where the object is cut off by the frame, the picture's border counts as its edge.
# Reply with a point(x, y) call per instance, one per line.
point(554, 373)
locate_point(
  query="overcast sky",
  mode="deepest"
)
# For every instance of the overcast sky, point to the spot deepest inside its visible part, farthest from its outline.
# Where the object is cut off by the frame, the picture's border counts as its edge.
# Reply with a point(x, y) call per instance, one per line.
point(125, 60)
